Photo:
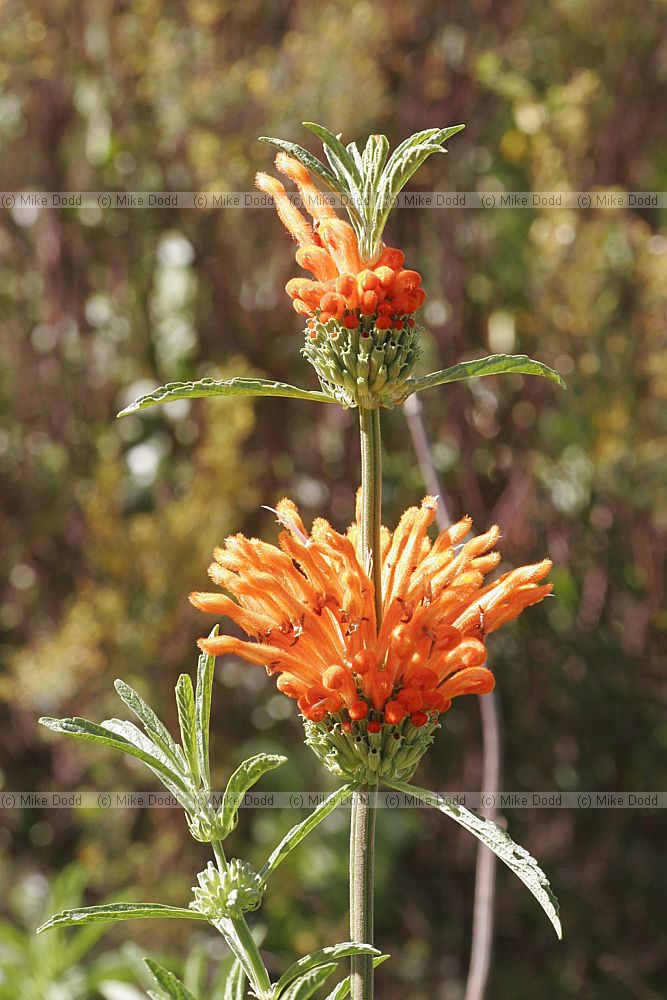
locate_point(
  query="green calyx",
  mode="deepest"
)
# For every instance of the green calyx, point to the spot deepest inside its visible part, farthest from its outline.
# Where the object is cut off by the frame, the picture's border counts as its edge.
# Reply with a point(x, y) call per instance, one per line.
point(229, 893)
point(360, 756)
point(365, 366)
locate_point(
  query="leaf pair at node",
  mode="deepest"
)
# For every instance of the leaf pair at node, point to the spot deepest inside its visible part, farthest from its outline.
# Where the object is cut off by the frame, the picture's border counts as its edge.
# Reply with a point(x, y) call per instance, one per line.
point(495, 364)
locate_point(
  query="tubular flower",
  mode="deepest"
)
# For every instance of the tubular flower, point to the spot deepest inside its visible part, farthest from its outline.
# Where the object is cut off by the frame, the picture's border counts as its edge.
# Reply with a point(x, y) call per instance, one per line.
point(360, 327)
point(309, 607)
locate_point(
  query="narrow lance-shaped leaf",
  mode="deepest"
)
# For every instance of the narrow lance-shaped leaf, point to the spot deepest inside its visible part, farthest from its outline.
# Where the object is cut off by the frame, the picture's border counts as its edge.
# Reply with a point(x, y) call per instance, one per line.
point(499, 841)
point(301, 830)
point(234, 988)
point(374, 157)
point(338, 156)
point(82, 729)
point(305, 986)
point(322, 957)
point(230, 931)
point(403, 163)
point(74, 944)
point(353, 150)
point(309, 161)
point(173, 987)
point(343, 988)
point(182, 789)
point(118, 911)
point(154, 727)
point(495, 364)
point(223, 387)
point(411, 153)
point(185, 702)
point(243, 778)
point(203, 693)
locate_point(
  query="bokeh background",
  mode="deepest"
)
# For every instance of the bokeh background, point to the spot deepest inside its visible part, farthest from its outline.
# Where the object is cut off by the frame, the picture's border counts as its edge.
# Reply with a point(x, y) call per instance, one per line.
point(107, 525)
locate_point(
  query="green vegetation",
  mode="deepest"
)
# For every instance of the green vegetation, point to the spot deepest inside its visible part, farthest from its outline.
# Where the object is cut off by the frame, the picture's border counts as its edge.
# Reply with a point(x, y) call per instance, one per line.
point(108, 524)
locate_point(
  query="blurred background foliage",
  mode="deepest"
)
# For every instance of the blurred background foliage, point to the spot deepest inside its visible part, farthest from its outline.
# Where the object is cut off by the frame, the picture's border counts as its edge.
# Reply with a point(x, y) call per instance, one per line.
point(106, 526)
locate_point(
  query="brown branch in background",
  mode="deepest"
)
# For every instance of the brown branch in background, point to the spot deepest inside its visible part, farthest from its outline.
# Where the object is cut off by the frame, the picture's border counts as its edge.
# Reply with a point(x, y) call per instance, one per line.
point(485, 871)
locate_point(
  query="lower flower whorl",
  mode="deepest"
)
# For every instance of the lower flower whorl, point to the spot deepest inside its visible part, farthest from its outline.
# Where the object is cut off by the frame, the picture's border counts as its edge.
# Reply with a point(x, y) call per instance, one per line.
point(363, 365)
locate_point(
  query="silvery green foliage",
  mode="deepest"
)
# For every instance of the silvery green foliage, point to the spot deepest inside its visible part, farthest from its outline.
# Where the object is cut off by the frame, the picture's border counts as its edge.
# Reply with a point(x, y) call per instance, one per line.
point(368, 182)
point(243, 778)
point(228, 889)
point(222, 387)
point(336, 387)
point(294, 836)
point(497, 840)
point(183, 769)
point(495, 364)
point(171, 987)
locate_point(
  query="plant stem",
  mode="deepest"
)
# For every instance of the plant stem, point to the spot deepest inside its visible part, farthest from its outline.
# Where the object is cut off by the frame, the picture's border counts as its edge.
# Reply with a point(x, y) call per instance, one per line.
point(362, 822)
point(362, 871)
point(254, 964)
point(371, 499)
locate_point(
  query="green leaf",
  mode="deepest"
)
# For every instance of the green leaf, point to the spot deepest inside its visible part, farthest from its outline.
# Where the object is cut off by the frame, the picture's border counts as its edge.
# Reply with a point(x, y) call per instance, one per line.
point(187, 721)
point(403, 163)
point(74, 945)
point(108, 734)
point(304, 987)
point(222, 387)
point(411, 153)
point(496, 364)
point(499, 841)
point(342, 161)
point(228, 929)
point(178, 781)
point(155, 729)
point(325, 955)
point(235, 983)
point(203, 692)
point(310, 162)
point(353, 150)
point(172, 986)
point(373, 160)
point(343, 988)
point(301, 830)
point(243, 778)
point(118, 911)
point(374, 156)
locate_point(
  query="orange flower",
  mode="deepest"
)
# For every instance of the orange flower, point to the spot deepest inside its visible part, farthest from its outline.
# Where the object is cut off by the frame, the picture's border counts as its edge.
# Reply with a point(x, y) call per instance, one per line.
point(381, 293)
point(308, 604)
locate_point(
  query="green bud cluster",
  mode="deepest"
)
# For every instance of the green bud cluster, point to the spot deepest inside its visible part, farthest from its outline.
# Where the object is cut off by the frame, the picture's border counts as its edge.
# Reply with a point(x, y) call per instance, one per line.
point(358, 755)
point(205, 826)
point(227, 894)
point(364, 366)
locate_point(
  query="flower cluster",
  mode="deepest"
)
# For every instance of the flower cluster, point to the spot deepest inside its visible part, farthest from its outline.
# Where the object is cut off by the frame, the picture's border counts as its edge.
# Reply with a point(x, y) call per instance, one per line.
point(232, 892)
point(360, 326)
point(309, 606)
